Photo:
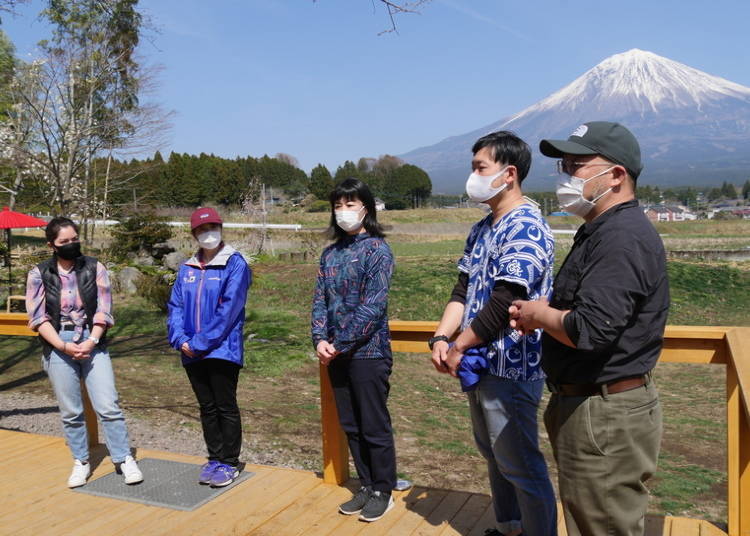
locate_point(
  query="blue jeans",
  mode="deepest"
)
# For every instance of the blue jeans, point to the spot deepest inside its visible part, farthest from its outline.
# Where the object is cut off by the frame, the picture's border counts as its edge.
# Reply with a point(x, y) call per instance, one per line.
point(504, 418)
point(65, 373)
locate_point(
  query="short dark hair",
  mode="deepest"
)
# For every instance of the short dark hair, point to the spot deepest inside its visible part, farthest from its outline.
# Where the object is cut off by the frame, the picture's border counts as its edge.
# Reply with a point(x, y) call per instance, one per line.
point(349, 189)
point(507, 148)
point(54, 226)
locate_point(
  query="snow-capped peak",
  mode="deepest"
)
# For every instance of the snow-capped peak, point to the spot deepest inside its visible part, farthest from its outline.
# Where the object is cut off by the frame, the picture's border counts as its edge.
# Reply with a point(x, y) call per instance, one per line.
point(639, 82)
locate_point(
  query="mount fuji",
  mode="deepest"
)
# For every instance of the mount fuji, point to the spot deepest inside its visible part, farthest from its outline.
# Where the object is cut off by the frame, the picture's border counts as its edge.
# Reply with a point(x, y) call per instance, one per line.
point(693, 128)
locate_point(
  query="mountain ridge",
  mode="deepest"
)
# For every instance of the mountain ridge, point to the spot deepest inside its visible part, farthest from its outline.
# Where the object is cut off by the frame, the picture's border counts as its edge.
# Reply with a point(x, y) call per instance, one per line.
point(693, 127)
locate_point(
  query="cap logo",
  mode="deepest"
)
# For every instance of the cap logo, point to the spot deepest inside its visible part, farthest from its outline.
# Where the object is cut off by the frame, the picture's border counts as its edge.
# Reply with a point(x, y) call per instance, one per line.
point(203, 216)
point(580, 131)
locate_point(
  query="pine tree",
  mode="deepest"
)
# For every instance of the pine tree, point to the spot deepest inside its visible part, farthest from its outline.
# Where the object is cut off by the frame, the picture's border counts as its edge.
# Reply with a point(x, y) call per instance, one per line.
point(321, 182)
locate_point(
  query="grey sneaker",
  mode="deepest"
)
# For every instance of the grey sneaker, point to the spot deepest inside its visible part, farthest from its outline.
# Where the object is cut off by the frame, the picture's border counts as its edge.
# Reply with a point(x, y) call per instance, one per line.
point(356, 503)
point(377, 505)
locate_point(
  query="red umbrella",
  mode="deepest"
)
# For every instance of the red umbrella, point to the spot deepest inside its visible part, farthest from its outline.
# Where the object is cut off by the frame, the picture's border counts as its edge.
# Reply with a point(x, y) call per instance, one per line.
point(15, 220)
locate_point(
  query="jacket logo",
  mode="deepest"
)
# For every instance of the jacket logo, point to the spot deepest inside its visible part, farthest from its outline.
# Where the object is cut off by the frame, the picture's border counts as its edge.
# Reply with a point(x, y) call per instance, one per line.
point(190, 279)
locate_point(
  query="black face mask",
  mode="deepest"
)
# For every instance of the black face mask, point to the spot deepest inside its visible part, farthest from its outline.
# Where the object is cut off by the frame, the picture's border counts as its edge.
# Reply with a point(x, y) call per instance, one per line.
point(69, 252)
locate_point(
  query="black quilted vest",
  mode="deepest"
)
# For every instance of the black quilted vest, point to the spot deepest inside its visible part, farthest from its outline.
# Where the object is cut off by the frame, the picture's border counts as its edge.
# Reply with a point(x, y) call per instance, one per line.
point(85, 269)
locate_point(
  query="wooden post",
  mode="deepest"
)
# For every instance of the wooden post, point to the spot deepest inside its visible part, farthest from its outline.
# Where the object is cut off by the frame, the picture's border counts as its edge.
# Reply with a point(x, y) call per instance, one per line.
point(738, 433)
point(335, 448)
point(92, 425)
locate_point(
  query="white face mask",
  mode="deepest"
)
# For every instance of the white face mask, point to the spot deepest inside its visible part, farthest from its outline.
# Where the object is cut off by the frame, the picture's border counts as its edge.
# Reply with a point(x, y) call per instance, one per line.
point(570, 194)
point(349, 220)
point(479, 187)
point(209, 239)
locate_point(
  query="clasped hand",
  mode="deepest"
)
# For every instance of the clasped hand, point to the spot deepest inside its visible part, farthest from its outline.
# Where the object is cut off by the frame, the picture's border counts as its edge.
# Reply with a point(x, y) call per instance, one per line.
point(524, 315)
point(446, 358)
point(79, 351)
point(325, 352)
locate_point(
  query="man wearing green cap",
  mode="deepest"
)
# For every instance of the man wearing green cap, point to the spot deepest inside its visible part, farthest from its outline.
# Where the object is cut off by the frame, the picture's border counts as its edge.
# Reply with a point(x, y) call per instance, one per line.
point(603, 333)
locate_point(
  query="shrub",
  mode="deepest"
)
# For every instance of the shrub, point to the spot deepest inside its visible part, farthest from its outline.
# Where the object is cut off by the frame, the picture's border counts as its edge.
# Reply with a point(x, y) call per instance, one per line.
point(138, 233)
point(156, 288)
point(319, 206)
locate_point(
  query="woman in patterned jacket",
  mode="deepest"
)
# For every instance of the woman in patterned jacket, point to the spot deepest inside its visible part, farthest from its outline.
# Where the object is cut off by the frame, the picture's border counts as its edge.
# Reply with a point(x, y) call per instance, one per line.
point(351, 337)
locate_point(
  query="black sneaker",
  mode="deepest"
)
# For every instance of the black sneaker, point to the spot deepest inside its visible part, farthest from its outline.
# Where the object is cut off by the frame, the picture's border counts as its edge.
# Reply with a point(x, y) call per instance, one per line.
point(377, 505)
point(356, 503)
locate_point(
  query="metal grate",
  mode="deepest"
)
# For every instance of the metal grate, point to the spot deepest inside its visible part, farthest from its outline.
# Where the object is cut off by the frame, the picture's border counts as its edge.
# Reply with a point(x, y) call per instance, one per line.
point(166, 483)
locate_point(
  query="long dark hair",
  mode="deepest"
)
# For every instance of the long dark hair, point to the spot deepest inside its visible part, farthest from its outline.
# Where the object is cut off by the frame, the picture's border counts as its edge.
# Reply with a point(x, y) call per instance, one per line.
point(350, 189)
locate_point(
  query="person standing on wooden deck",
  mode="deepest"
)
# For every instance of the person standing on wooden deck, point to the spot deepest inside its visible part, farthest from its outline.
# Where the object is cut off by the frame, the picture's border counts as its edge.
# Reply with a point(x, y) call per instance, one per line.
point(206, 315)
point(603, 333)
point(508, 255)
point(69, 303)
point(351, 337)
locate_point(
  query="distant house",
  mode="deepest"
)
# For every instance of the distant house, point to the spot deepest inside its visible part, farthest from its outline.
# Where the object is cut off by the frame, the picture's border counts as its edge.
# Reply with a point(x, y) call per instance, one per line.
point(668, 213)
point(379, 204)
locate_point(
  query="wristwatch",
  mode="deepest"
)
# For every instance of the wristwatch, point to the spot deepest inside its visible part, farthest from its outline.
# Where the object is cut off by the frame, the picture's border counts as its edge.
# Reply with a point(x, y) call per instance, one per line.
point(92, 338)
point(435, 339)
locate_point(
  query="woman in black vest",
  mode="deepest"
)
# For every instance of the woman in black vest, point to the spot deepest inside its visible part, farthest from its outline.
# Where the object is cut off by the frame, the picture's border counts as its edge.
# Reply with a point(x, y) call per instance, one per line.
point(69, 303)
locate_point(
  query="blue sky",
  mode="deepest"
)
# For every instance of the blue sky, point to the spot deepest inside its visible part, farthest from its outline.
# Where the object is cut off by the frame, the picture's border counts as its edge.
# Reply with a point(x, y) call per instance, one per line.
point(315, 80)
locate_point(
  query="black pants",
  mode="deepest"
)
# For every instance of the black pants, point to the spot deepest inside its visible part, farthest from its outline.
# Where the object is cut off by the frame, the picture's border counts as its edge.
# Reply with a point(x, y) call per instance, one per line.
point(360, 387)
point(214, 383)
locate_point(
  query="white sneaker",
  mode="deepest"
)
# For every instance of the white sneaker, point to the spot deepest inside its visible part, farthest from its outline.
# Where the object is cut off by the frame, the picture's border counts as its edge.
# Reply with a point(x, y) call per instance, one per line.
point(130, 471)
point(80, 474)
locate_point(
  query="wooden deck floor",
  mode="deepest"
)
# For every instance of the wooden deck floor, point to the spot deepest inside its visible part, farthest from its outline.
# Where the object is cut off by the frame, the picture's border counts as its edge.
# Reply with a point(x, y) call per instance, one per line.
point(276, 501)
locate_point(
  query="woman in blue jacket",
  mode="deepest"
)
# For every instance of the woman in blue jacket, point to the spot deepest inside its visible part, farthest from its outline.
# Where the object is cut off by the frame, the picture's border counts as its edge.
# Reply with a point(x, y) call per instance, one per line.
point(351, 337)
point(206, 316)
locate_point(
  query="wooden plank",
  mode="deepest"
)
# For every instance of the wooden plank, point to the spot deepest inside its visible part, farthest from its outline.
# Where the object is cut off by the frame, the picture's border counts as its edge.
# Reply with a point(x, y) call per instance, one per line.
point(738, 343)
point(561, 529)
point(467, 517)
point(696, 332)
point(335, 446)
point(420, 503)
point(424, 326)
point(321, 516)
point(20, 446)
point(276, 503)
point(738, 431)
point(682, 526)
point(227, 509)
point(284, 520)
point(15, 324)
point(734, 420)
point(103, 521)
point(487, 521)
point(441, 516)
point(409, 346)
point(694, 356)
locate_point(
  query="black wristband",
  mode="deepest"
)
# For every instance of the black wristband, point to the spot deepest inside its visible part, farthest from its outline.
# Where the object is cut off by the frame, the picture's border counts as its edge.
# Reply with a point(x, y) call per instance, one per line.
point(431, 342)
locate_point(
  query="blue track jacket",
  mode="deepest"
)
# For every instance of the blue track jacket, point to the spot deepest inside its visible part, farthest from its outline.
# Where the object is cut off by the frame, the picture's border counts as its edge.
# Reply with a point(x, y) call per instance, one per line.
point(207, 307)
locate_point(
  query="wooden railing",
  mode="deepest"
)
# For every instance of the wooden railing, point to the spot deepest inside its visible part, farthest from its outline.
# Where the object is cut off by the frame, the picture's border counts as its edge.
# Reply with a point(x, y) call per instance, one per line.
point(729, 346)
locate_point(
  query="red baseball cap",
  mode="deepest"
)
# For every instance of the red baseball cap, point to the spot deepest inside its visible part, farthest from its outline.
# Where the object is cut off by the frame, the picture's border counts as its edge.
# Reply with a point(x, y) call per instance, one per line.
point(204, 215)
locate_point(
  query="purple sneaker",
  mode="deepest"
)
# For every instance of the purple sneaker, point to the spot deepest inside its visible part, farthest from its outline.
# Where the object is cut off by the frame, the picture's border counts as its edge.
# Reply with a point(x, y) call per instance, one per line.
point(224, 475)
point(207, 471)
